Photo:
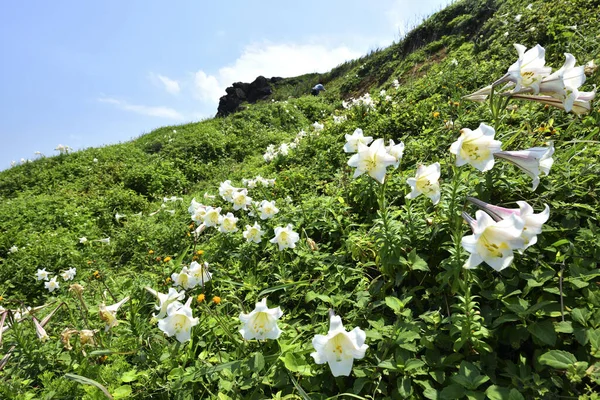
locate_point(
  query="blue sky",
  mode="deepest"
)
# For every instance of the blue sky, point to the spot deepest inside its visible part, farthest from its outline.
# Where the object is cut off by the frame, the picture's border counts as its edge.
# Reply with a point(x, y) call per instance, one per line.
point(89, 73)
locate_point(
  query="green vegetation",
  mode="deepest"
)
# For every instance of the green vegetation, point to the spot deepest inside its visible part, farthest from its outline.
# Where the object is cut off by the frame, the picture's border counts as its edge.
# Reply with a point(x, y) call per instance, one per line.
point(388, 265)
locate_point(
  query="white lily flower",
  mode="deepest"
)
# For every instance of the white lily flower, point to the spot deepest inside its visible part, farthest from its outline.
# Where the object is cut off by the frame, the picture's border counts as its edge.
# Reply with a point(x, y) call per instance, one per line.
point(426, 182)
point(226, 190)
point(200, 272)
point(284, 149)
point(533, 222)
point(194, 206)
point(108, 314)
point(373, 160)
point(261, 323)
point(317, 126)
point(338, 119)
point(529, 70)
point(285, 237)
point(396, 84)
point(253, 233)
point(228, 223)
point(339, 348)
point(353, 140)
point(581, 104)
point(105, 240)
point(532, 161)
point(493, 242)
point(42, 274)
point(201, 228)
point(241, 200)
point(69, 274)
point(39, 330)
point(198, 215)
point(52, 284)
point(13, 249)
point(83, 240)
point(564, 84)
point(212, 216)
point(183, 278)
point(165, 300)
point(179, 321)
point(476, 147)
point(267, 209)
point(119, 216)
point(396, 151)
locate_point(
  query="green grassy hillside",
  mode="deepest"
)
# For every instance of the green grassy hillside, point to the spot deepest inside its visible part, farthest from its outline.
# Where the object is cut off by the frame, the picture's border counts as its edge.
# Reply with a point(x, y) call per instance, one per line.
point(390, 266)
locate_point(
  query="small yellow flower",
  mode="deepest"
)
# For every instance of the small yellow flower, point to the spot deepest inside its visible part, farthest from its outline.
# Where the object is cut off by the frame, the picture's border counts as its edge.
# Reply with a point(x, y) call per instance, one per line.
point(1, 297)
point(167, 259)
point(150, 251)
point(200, 252)
point(217, 300)
point(200, 297)
point(168, 280)
point(436, 114)
point(456, 104)
point(191, 226)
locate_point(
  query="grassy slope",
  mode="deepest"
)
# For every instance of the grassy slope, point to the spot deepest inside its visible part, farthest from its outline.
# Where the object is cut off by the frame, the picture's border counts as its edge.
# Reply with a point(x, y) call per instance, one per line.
point(50, 203)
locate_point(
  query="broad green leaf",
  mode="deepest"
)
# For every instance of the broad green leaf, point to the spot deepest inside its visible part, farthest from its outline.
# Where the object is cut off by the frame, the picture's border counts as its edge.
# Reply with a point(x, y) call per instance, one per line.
point(594, 337)
point(580, 316)
point(129, 376)
point(405, 387)
point(452, 392)
point(515, 395)
point(394, 303)
point(496, 392)
point(122, 392)
point(563, 327)
point(543, 331)
point(257, 362)
point(558, 359)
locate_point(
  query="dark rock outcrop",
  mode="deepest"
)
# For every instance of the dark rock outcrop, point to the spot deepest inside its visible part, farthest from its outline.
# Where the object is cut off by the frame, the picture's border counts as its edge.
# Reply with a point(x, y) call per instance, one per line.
point(241, 92)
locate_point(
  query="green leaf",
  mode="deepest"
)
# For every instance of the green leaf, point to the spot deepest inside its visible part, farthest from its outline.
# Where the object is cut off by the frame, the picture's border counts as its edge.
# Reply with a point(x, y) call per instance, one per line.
point(394, 303)
point(580, 316)
point(515, 395)
point(296, 363)
point(496, 392)
point(257, 362)
point(405, 387)
point(122, 392)
point(282, 287)
point(543, 331)
point(87, 381)
point(558, 359)
point(416, 263)
point(563, 327)
point(129, 376)
point(452, 392)
point(594, 337)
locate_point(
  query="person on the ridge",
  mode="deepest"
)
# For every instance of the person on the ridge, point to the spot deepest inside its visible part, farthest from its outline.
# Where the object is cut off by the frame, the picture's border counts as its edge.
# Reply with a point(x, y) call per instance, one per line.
point(317, 89)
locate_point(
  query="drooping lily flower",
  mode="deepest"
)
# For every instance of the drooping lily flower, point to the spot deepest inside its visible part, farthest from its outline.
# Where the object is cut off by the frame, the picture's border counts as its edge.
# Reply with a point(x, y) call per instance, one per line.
point(42, 274)
point(426, 182)
point(529, 70)
point(52, 285)
point(267, 209)
point(261, 323)
point(564, 83)
point(165, 300)
point(226, 190)
point(532, 161)
point(339, 348)
point(396, 151)
point(65, 337)
point(353, 140)
point(285, 237)
point(86, 336)
point(179, 321)
point(200, 273)
point(480, 96)
point(253, 233)
point(373, 160)
point(493, 242)
point(228, 223)
point(533, 222)
point(108, 314)
point(69, 274)
point(39, 330)
point(581, 104)
point(476, 147)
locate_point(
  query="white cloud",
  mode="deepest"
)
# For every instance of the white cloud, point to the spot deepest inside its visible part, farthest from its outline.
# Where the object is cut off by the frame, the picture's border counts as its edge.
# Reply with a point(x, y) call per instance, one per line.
point(170, 85)
point(161, 112)
point(270, 60)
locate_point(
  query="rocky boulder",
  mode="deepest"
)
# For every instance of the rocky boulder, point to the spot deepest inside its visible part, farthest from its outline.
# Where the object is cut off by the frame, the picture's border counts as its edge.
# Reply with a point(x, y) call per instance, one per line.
point(241, 92)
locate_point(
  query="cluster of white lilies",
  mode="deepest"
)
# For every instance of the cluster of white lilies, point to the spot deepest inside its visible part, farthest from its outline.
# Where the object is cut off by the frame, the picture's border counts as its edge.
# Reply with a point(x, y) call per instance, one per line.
point(52, 283)
point(284, 148)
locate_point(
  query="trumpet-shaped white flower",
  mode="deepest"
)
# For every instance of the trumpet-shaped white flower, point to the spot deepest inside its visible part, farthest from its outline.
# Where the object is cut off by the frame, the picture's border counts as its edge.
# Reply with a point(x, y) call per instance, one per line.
point(42, 274)
point(200, 273)
point(195, 206)
point(69, 274)
point(83, 240)
point(481, 95)
point(493, 242)
point(179, 321)
point(533, 222)
point(165, 300)
point(285, 237)
point(532, 161)
point(353, 140)
point(104, 241)
point(212, 216)
point(267, 209)
point(396, 151)
point(183, 278)
point(119, 216)
point(241, 200)
point(476, 147)
point(226, 190)
point(339, 348)
point(201, 228)
point(317, 126)
point(52, 284)
point(39, 330)
point(529, 70)
point(564, 83)
point(261, 323)
point(198, 215)
point(396, 84)
point(108, 314)
point(426, 182)
point(13, 249)
point(373, 160)
point(253, 233)
point(581, 104)
point(228, 223)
